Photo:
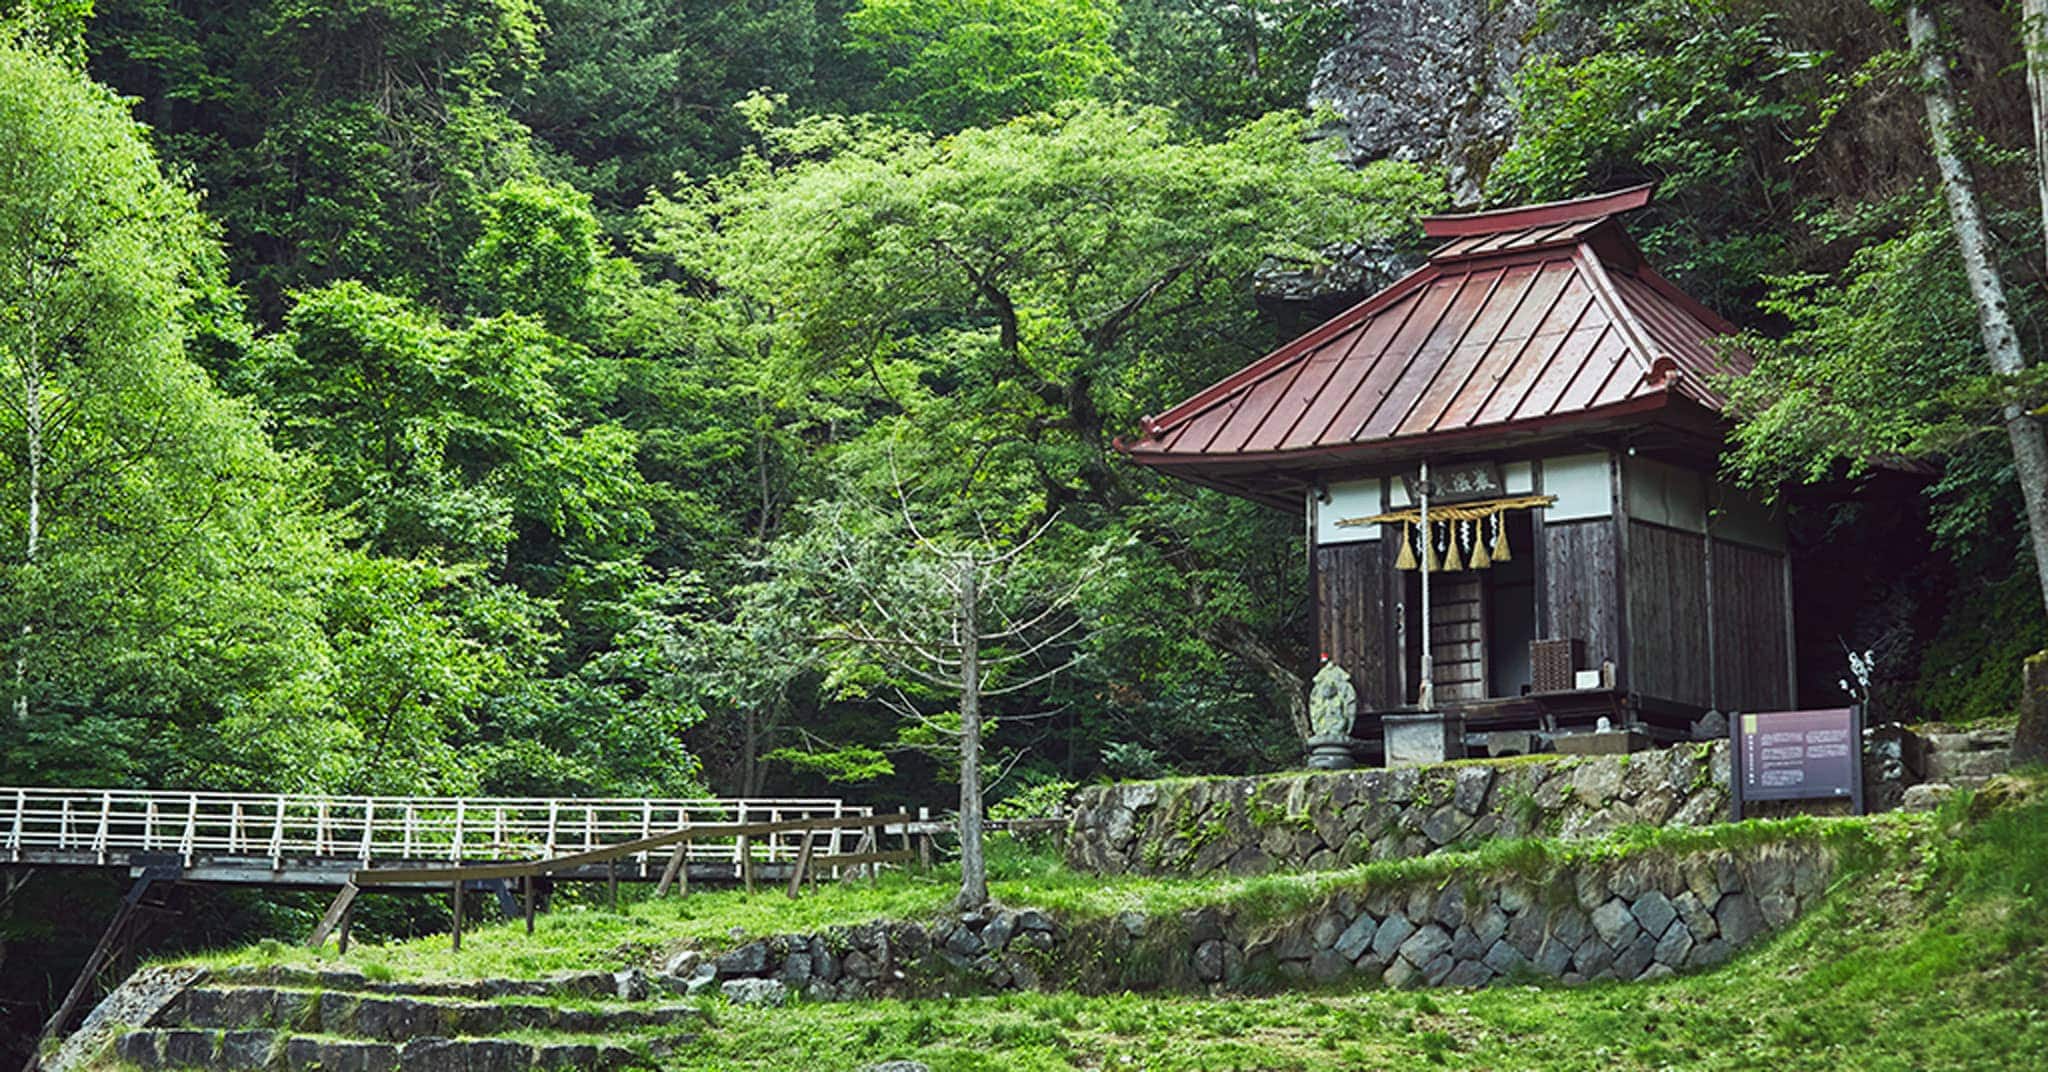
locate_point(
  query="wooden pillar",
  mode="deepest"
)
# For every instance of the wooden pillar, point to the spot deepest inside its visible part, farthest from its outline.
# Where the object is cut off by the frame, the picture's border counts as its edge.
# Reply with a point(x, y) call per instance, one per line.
point(96, 961)
point(342, 903)
point(676, 868)
point(531, 882)
point(455, 944)
point(348, 920)
point(803, 863)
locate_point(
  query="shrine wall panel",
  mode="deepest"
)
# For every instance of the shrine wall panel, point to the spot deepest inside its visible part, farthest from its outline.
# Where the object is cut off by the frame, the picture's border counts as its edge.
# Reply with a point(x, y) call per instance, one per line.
point(1667, 614)
point(1580, 586)
point(1355, 617)
point(1752, 656)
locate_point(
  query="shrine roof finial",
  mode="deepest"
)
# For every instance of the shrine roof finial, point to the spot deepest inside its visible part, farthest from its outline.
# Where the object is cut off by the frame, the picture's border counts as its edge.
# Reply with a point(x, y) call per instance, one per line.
point(1523, 217)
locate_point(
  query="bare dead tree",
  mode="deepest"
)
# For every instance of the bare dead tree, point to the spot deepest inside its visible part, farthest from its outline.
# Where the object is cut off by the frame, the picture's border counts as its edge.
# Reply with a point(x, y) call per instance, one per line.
point(998, 631)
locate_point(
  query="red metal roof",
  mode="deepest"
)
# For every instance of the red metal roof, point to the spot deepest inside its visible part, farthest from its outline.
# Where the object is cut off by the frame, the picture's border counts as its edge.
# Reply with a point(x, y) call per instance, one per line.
point(1526, 319)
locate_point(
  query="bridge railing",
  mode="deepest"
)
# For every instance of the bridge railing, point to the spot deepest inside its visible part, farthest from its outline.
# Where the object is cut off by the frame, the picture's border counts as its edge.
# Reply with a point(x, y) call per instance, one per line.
point(112, 823)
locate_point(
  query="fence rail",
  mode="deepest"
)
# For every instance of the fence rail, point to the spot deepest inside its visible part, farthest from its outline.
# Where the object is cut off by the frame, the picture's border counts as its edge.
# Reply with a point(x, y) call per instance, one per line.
point(107, 825)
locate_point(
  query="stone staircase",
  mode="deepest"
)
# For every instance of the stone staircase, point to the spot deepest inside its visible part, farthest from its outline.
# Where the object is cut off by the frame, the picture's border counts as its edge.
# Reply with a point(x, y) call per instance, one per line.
point(242, 1020)
point(1967, 760)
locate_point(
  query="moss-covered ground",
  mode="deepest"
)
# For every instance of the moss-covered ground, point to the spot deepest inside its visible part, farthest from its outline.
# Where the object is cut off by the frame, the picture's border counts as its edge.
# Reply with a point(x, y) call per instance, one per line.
point(1932, 952)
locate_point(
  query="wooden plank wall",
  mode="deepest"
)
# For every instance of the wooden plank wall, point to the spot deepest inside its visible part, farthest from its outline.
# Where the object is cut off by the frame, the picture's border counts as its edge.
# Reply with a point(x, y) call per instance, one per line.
point(1579, 562)
point(1457, 635)
point(1355, 620)
point(1750, 657)
point(1667, 608)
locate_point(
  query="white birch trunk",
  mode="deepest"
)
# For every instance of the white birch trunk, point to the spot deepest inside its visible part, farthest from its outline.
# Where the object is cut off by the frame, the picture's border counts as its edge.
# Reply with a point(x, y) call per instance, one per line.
point(32, 433)
point(2034, 32)
point(1994, 318)
point(973, 866)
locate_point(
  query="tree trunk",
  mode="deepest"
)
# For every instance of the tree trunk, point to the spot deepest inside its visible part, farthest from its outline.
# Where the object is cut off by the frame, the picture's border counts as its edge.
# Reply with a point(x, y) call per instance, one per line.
point(32, 432)
point(2034, 32)
point(1290, 692)
point(973, 866)
point(1994, 319)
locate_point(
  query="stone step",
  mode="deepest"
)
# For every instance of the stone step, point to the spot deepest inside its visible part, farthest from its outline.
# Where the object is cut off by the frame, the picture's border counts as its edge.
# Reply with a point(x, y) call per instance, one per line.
point(628, 985)
point(1955, 767)
point(1983, 740)
point(251, 1051)
point(396, 1018)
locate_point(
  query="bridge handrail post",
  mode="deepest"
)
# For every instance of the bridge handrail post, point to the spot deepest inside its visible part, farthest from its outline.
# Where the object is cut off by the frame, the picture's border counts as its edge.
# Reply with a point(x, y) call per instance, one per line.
point(554, 816)
point(646, 831)
point(99, 837)
point(455, 845)
point(277, 836)
point(369, 828)
point(20, 815)
point(185, 843)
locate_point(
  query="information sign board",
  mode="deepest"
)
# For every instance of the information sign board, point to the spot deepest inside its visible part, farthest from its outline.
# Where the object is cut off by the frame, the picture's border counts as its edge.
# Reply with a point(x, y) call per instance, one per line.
point(1798, 755)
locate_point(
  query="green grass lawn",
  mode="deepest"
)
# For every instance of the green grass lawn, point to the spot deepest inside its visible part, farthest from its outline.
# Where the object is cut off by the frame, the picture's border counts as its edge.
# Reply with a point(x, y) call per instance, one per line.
point(1932, 952)
point(580, 937)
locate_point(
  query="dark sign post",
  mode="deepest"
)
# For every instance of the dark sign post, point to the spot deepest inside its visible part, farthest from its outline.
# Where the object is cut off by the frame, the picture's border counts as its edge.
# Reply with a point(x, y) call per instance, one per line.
point(1798, 755)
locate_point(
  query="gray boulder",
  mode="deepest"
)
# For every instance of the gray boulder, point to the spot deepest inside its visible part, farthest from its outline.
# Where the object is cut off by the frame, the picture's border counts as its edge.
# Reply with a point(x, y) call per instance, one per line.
point(755, 991)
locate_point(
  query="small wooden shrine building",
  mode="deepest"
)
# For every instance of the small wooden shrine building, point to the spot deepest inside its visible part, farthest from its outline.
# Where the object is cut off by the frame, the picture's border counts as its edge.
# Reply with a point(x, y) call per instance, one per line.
point(1560, 395)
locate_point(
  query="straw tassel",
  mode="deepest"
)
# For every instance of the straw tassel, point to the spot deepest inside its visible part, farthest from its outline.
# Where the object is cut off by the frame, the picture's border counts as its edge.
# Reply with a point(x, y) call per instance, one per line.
point(1429, 557)
point(1500, 537)
point(1451, 557)
point(1406, 560)
point(1479, 558)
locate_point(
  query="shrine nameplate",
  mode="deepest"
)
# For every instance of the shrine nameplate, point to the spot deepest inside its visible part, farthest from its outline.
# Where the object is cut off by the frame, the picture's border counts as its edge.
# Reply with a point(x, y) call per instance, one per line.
point(1798, 755)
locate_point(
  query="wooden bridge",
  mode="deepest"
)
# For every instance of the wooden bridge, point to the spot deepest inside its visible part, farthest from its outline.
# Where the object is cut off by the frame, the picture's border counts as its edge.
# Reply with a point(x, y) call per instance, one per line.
point(302, 840)
point(453, 844)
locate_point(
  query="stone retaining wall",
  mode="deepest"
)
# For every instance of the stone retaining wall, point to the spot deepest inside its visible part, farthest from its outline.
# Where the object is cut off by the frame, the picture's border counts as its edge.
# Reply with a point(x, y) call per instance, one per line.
point(1641, 917)
point(1336, 819)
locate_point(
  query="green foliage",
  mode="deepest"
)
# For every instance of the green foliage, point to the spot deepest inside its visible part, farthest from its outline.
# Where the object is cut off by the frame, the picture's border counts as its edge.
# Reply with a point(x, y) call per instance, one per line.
point(1221, 65)
point(838, 765)
point(537, 255)
point(951, 64)
point(632, 93)
point(1874, 360)
point(158, 579)
point(1971, 671)
point(338, 140)
point(975, 318)
point(1041, 800)
point(1706, 97)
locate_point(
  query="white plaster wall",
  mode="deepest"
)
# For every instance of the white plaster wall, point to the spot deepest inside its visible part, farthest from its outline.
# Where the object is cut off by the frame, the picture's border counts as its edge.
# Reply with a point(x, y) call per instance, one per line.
point(1583, 485)
point(1349, 499)
point(1664, 494)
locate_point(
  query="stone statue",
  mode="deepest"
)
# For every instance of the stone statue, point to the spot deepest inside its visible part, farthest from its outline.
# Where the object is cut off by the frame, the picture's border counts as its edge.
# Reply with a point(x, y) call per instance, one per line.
point(1332, 710)
point(1332, 702)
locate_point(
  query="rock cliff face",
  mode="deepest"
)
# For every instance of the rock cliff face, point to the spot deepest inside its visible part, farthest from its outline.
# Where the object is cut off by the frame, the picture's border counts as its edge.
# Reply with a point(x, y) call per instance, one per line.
point(1434, 80)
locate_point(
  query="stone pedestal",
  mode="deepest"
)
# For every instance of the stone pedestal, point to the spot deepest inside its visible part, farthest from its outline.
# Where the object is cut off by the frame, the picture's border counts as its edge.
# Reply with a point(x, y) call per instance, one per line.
point(1603, 743)
point(1422, 737)
point(1513, 743)
point(1330, 753)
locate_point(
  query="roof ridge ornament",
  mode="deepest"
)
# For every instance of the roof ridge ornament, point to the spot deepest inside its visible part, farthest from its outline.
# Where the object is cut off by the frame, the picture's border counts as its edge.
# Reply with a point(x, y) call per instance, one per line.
point(1548, 214)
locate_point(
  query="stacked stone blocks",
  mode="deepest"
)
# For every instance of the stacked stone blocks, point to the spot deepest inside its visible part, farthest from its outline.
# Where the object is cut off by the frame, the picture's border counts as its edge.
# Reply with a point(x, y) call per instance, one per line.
point(1328, 820)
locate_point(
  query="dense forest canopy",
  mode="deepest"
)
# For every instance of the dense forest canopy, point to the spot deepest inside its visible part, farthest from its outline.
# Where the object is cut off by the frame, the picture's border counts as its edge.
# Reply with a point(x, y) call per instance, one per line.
point(444, 397)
